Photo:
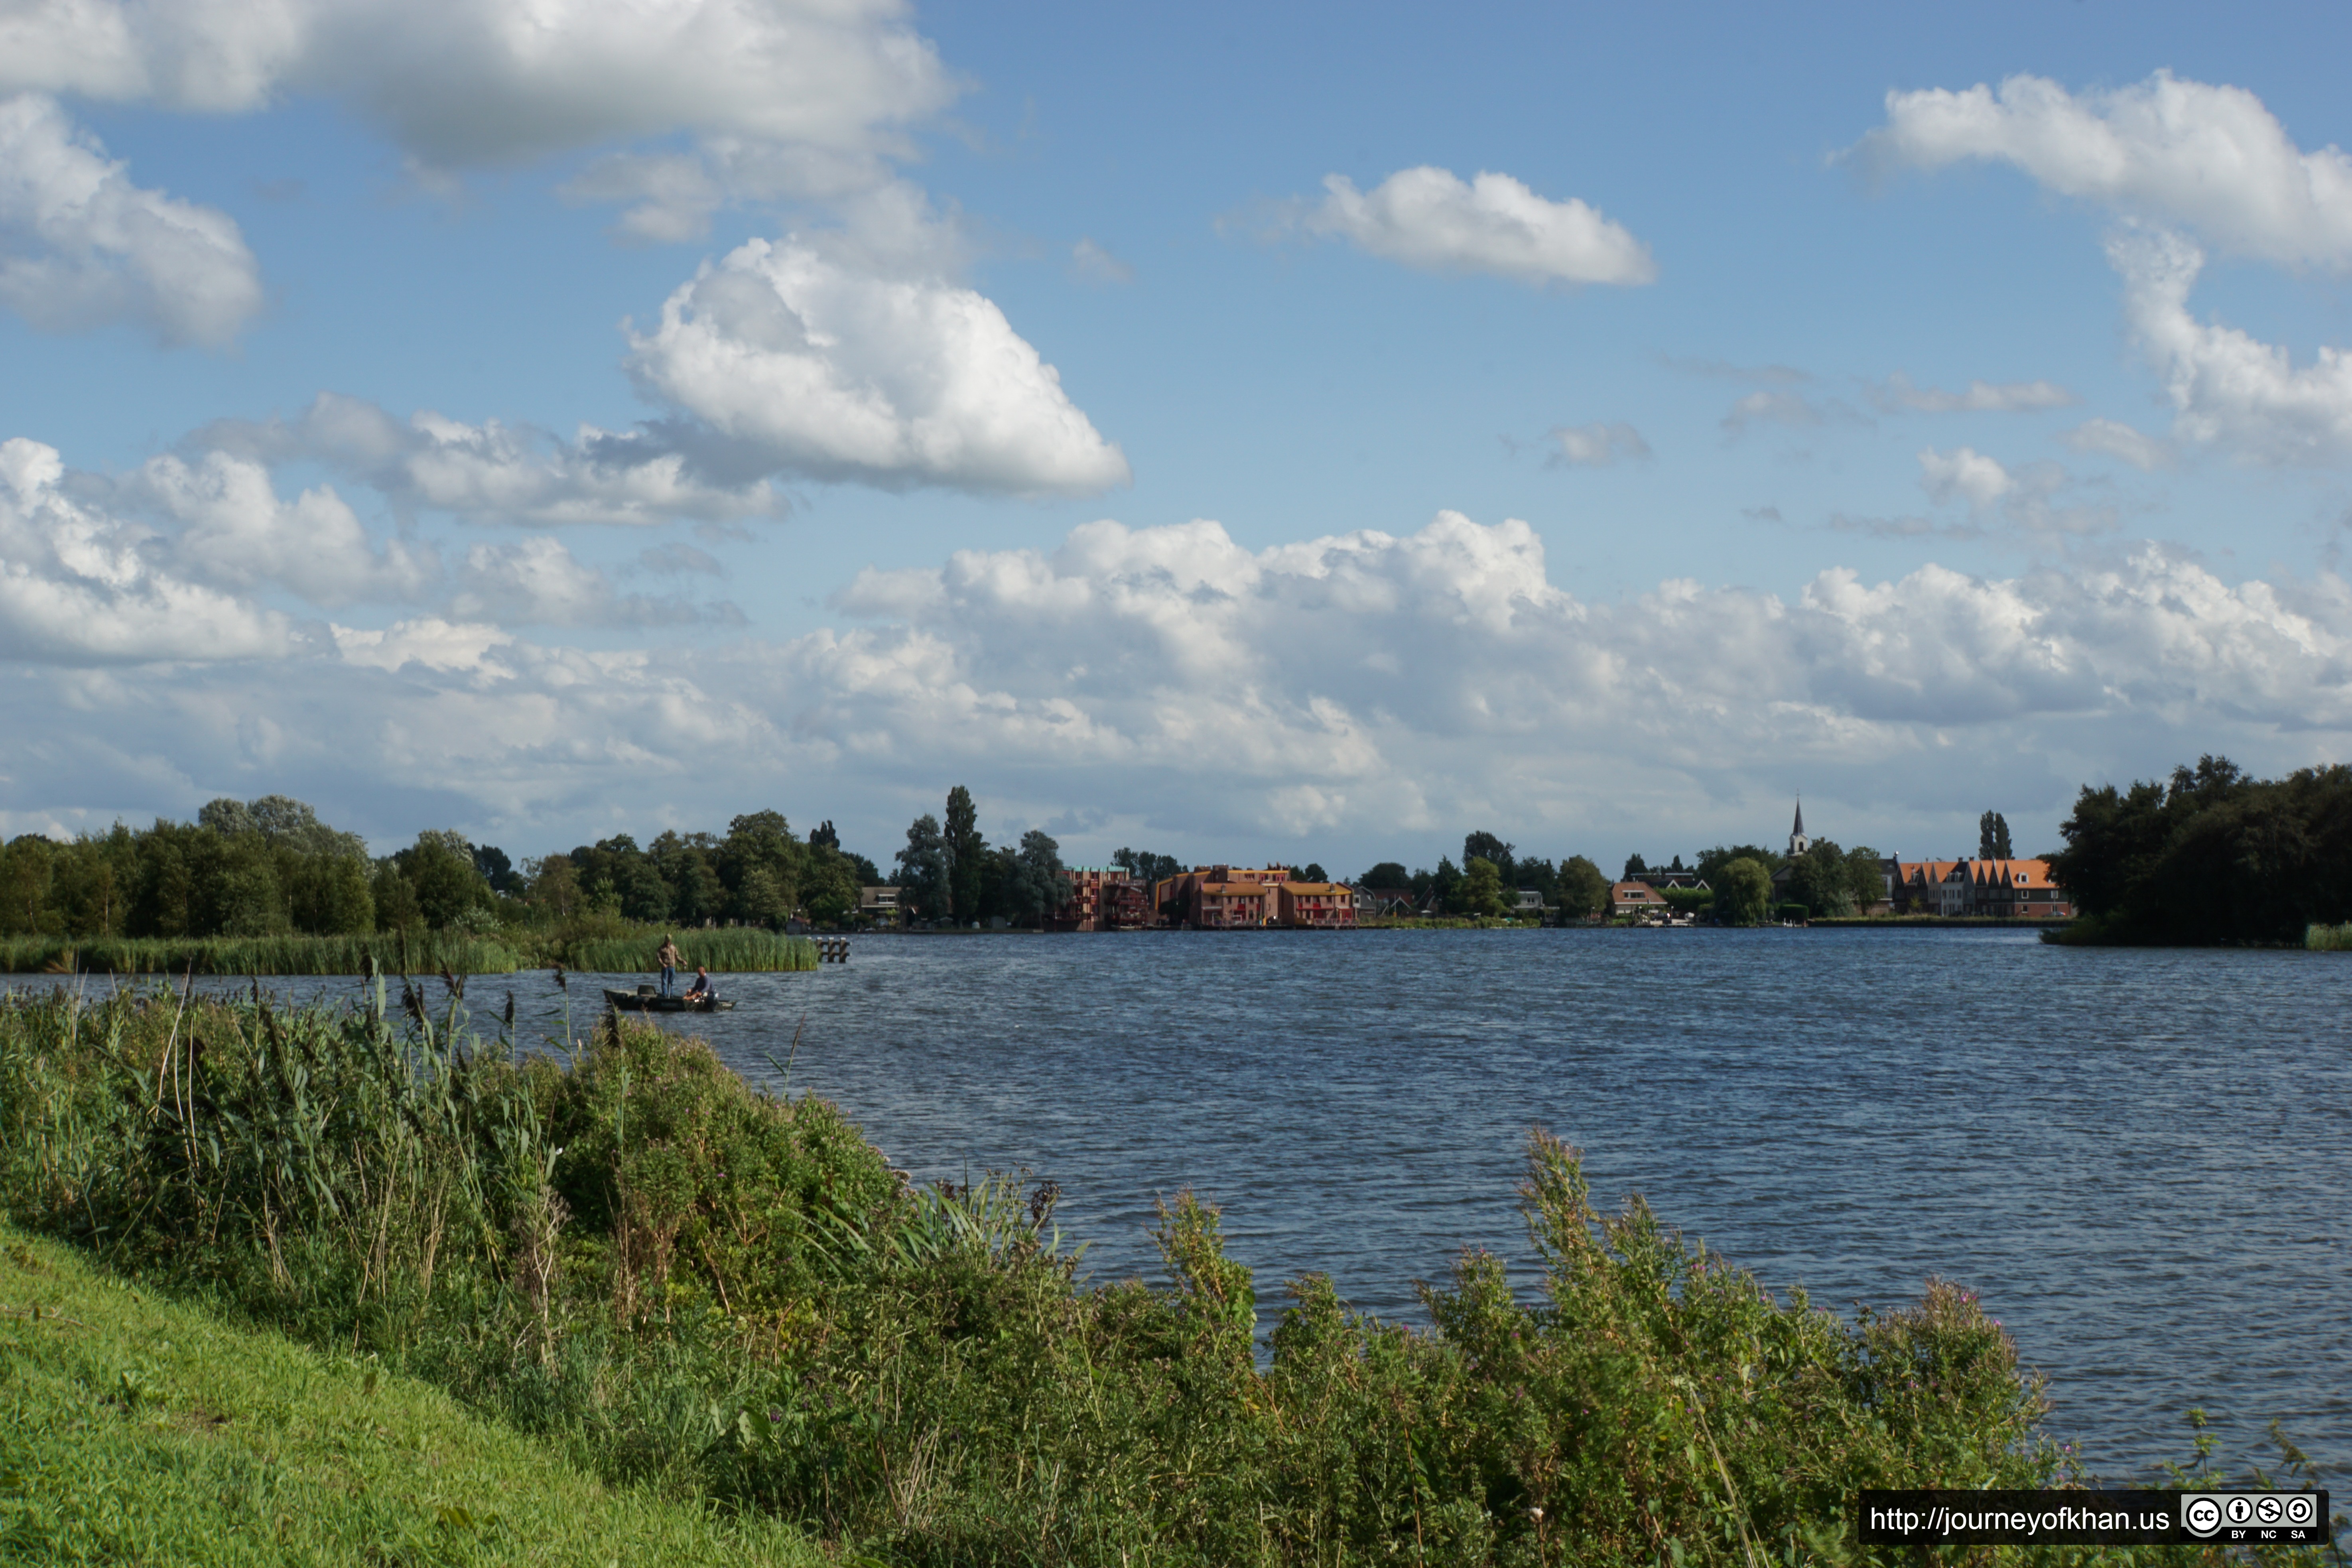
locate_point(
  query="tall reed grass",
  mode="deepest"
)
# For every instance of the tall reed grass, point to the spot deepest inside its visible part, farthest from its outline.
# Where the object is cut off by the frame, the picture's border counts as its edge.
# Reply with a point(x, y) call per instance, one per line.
point(2327, 938)
point(731, 1295)
point(426, 953)
point(725, 949)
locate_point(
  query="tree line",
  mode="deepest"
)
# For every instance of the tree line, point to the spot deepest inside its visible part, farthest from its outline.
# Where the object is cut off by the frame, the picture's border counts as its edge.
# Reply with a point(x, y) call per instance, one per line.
point(271, 868)
point(952, 873)
point(2212, 856)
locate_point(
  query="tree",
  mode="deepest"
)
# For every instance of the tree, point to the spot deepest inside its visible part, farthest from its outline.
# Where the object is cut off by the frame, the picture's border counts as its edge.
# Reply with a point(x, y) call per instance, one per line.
point(924, 868)
point(439, 869)
point(1743, 892)
point(1037, 887)
point(394, 900)
point(1540, 875)
point(1313, 872)
point(761, 862)
point(1583, 890)
point(1443, 882)
point(1634, 867)
point(966, 849)
point(2214, 856)
point(1386, 873)
point(1147, 867)
point(225, 816)
point(496, 868)
point(1484, 845)
point(830, 887)
point(1865, 880)
point(329, 895)
point(553, 887)
point(1819, 880)
point(1711, 862)
point(1992, 836)
point(1480, 892)
point(823, 837)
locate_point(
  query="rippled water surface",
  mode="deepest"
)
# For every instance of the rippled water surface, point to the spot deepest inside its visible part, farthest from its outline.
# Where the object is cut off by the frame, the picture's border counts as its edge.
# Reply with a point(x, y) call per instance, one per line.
point(2143, 1159)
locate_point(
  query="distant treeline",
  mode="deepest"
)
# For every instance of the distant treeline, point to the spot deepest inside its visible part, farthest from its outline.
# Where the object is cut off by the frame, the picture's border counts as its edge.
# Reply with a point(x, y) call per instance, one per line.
point(2212, 857)
point(270, 868)
point(1824, 882)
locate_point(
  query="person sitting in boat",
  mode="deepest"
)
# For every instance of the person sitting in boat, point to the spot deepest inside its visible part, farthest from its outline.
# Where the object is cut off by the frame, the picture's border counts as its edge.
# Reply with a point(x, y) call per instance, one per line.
point(668, 959)
point(701, 991)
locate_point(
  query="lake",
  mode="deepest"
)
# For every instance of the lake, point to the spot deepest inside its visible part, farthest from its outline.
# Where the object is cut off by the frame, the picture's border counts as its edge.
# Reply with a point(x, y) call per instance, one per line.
point(2141, 1159)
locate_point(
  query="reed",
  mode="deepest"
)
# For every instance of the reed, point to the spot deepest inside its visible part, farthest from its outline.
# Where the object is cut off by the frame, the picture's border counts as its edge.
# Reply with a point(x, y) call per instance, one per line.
point(724, 950)
point(424, 953)
point(687, 1283)
point(2327, 938)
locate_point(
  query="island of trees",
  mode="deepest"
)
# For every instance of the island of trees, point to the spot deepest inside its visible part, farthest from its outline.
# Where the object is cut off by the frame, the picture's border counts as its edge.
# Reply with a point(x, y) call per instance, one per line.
point(2212, 856)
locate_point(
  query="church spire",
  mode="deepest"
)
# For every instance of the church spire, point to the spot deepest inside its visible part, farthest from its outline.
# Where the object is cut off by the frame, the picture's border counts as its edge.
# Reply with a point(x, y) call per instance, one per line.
point(1798, 842)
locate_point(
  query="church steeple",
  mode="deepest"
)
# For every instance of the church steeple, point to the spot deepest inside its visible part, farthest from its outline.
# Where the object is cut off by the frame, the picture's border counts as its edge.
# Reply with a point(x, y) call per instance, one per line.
point(1798, 842)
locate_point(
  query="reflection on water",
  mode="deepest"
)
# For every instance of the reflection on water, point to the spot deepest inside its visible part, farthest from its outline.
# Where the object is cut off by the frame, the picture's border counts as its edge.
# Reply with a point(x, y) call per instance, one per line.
point(2143, 1159)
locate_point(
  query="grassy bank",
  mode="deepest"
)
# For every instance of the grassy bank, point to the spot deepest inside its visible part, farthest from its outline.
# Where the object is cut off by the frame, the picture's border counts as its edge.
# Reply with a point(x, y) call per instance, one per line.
point(2328, 939)
point(143, 1430)
point(727, 950)
point(726, 1297)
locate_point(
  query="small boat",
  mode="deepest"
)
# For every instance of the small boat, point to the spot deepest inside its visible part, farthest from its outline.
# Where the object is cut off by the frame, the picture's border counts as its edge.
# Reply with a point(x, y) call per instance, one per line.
point(646, 999)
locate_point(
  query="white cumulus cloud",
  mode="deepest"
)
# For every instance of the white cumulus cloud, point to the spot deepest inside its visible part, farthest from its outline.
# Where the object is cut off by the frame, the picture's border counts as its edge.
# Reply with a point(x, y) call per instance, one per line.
point(234, 531)
point(1362, 684)
point(833, 373)
point(465, 82)
point(2172, 159)
point(80, 245)
point(1429, 218)
point(81, 587)
point(2228, 387)
point(494, 471)
point(2181, 154)
point(1964, 474)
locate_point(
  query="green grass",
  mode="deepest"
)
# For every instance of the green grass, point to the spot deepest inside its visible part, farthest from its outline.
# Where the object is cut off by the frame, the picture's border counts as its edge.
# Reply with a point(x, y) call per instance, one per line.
point(139, 1430)
point(2328, 939)
point(424, 954)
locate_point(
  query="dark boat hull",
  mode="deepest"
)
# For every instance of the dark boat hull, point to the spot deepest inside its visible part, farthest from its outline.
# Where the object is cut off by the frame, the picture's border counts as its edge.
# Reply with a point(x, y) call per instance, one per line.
point(642, 1002)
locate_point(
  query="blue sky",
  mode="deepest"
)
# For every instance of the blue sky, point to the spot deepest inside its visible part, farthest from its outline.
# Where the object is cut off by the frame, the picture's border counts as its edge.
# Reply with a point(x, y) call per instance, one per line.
point(1310, 435)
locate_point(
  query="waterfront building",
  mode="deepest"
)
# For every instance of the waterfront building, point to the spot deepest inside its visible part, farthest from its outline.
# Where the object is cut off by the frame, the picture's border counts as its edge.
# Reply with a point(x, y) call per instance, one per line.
point(2018, 889)
point(1221, 897)
point(1316, 906)
point(1636, 899)
point(1099, 899)
point(879, 905)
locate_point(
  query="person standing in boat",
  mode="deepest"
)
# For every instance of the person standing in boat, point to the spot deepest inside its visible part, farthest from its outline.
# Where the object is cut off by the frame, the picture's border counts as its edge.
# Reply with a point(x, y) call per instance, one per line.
point(669, 958)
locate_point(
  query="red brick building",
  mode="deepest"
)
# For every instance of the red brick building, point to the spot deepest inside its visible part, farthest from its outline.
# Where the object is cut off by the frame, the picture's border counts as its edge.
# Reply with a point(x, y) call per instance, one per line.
point(1099, 900)
point(1225, 898)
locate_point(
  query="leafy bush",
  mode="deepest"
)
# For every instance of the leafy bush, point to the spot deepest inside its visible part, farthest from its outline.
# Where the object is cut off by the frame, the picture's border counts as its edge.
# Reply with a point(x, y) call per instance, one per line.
point(729, 1296)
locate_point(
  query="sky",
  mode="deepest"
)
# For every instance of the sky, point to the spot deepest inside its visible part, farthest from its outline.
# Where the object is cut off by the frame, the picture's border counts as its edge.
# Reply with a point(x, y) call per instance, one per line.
point(1248, 435)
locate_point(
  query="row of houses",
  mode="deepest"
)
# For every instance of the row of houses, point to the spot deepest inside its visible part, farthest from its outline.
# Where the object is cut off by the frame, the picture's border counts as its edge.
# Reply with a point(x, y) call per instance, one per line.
point(1230, 898)
point(2022, 888)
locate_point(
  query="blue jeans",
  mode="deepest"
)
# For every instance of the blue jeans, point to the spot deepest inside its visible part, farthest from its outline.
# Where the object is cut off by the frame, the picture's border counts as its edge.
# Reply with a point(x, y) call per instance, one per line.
point(669, 976)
